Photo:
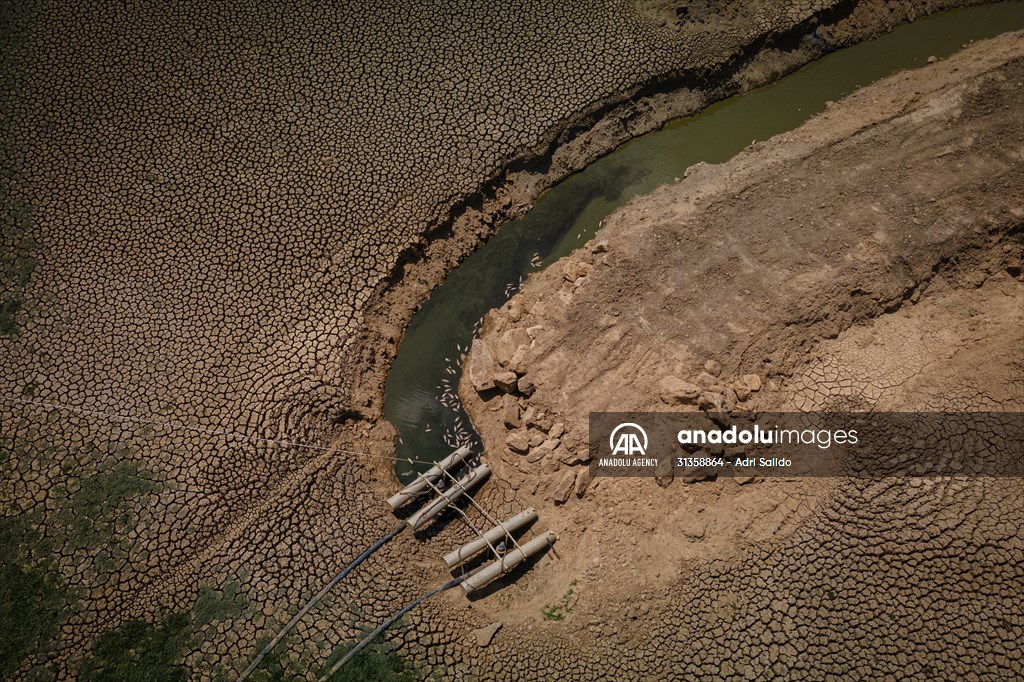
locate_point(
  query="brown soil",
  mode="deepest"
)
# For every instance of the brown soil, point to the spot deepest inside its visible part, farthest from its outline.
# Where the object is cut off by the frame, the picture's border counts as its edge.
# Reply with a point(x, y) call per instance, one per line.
point(233, 210)
point(870, 259)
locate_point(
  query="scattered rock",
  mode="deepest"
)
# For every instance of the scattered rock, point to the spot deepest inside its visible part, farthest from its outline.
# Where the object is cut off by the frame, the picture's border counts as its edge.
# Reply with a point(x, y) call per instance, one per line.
point(567, 456)
point(544, 449)
point(518, 441)
point(560, 493)
point(599, 247)
point(582, 483)
point(678, 392)
point(506, 345)
point(575, 270)
point(557, 429)
point(696, 477)
point(485, 634)
point(536, 439)
point(740, 389)
point(537, 420)
point(710, 401)
point(518, 362)
point(713, 368)
point(526, 386)
point(932, 59)
point(542, 424)
point(705, 379)
point(510, 412)
point(752, 381)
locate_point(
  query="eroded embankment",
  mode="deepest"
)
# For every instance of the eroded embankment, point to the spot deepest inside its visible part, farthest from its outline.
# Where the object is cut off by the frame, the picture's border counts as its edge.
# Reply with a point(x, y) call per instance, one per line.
point(869, 259)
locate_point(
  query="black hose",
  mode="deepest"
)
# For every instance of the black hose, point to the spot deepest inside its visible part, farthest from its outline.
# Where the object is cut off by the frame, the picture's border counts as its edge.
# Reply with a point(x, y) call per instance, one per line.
point(317, 597)
point(388, 623)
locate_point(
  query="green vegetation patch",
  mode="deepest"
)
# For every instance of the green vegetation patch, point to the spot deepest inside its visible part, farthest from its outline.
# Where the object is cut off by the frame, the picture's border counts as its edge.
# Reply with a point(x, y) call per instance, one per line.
point(33, 600)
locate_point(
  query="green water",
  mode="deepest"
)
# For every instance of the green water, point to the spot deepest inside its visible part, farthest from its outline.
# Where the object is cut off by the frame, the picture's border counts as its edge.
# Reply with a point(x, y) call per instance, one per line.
point(420, 398)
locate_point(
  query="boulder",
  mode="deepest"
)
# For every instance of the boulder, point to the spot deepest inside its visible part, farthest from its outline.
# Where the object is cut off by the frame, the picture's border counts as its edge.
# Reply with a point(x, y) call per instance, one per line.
point(582, 483)
point(510, 412)
point(482, 366)
point(741, 390)
point(707, 379)
point(518, 362)
point(675, 391)
point(539, 421)
point(560, 493)
point(713, 367)
point(506, 345)
point(506, 382)
point(526, 386)
point(752, 381)
point(518, 441)
point(543, 450)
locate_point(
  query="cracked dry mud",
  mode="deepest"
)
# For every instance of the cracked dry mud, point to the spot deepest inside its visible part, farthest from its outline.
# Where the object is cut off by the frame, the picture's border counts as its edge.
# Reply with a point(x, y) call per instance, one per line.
point(870, 259)
point(217, 218)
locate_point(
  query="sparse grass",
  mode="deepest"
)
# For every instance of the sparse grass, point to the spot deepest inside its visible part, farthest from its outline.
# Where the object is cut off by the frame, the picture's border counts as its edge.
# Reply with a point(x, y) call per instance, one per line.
point(138, 650)
point(10, 305)
point(98, 510)
point(220, 604)
point(565, 606)
point(378, 662)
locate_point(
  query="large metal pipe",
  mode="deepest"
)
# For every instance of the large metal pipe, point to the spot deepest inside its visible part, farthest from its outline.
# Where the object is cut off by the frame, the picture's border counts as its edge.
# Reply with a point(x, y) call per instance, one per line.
point(506, 527)
point(441, 502)
point(421, 484)
point(508, 562)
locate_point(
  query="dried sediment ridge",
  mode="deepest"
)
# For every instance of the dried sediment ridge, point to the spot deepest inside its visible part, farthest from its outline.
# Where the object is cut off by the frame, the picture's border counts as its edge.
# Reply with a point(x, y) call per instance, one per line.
point(869, 259)
point(218, 200)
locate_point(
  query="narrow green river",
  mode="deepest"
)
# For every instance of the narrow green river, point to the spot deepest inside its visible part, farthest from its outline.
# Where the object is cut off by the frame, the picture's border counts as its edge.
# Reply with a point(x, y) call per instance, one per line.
point(420, 396)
